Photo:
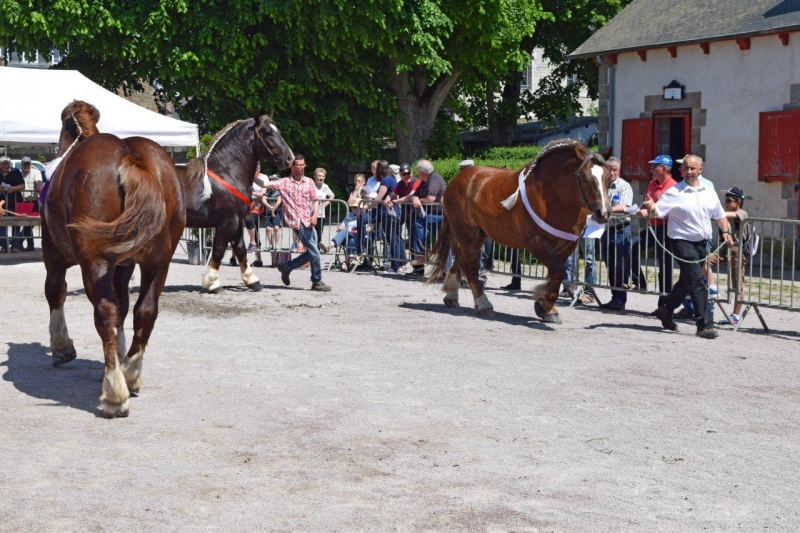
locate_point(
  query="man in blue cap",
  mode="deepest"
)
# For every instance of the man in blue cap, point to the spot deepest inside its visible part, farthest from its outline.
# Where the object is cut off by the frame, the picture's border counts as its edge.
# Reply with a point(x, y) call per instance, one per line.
point(661, 171)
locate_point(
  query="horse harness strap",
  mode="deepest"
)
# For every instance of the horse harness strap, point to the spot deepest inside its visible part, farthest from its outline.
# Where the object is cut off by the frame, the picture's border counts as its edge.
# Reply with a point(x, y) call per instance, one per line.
point(230, 187)
point(542, 224)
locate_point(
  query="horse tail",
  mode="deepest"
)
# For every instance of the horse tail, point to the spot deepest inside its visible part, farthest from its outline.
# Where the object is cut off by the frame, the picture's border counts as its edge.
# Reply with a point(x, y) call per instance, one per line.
point(142, 219)
point(441, 253)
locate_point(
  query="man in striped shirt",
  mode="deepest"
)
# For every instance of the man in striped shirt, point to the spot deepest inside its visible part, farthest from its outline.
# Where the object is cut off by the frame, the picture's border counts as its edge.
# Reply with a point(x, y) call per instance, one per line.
point(300, 210)
point(616, 244)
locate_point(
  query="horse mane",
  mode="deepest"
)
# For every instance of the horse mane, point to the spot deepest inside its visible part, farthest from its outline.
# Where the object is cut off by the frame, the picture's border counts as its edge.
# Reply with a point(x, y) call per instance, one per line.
point(553, 146)
point(196, 168)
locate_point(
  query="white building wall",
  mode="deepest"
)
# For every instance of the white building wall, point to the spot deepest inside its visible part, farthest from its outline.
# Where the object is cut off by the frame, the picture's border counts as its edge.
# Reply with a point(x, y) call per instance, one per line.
point(736, 86)
point(539, 69)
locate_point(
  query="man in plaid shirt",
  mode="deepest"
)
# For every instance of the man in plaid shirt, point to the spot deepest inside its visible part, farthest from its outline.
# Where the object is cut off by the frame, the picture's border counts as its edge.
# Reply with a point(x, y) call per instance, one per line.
point(300, 209)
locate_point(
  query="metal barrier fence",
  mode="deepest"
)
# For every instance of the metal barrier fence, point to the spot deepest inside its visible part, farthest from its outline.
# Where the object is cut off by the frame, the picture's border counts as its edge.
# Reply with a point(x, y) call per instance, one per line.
point(630, 256)
point(16, 232)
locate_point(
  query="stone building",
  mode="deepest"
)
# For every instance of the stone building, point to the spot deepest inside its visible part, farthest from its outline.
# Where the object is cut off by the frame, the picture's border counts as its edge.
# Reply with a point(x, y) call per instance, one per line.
point(718, 78)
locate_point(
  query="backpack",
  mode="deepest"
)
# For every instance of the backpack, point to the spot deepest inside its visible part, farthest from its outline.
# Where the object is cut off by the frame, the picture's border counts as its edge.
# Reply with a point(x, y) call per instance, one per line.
point(750, 238)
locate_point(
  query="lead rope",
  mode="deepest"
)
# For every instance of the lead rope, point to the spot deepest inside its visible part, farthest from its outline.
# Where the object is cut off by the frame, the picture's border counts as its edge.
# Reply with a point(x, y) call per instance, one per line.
point(663, 247)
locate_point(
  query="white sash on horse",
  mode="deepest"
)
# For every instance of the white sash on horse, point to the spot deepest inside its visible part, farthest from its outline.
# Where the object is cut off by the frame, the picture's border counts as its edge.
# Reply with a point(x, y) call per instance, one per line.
point(509, 202)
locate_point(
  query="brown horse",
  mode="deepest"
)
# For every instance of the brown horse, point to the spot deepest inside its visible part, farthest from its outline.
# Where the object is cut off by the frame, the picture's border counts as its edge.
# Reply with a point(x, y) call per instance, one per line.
point(111, 204)
point(565, 183)
point(232, 158)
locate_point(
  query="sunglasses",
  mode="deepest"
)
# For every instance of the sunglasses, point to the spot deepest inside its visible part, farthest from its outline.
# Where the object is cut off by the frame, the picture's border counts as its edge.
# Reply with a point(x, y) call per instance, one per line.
point(730, 200)
point(406, 174)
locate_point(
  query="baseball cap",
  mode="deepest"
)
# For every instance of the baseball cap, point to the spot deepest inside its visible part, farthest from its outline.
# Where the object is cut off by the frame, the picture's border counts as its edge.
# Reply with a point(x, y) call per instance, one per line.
point(466, 163)
point(663, 159)
point(405, 168)
point(3, 159)
point(26, 159)
point(394, 169)
point(736, 192)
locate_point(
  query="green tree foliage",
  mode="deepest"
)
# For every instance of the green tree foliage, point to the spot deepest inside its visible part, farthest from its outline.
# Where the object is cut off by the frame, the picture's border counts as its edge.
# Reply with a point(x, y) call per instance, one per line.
point(496, 100)
point(343, 78)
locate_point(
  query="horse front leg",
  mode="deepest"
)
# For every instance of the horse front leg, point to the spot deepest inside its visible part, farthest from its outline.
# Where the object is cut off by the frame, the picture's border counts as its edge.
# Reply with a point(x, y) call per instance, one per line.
point(210, 279)
point(98, 276)
point(546, 294)
point(240, 251)
point(55, 290)
point(145, 313)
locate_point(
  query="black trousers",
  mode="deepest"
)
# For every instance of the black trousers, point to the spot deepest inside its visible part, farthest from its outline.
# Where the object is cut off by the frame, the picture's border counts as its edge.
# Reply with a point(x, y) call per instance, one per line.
point(691, 281)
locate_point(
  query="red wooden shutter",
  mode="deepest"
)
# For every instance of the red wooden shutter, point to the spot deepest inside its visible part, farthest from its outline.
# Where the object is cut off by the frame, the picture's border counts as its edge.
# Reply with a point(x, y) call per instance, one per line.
point(637, 148)
point(779, 146)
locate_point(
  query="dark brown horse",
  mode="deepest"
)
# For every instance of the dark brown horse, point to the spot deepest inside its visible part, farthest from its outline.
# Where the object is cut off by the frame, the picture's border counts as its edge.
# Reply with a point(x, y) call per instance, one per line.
point(111, 204)
point(565, 183)
point(232, 158)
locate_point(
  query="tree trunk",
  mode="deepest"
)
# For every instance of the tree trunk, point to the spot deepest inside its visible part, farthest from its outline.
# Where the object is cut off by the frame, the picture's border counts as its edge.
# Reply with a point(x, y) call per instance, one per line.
point(503, 114)
point(419, 102)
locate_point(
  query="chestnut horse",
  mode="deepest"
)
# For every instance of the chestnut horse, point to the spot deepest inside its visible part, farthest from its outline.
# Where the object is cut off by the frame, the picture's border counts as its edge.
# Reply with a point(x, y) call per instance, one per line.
point(565, 183)
point(111, 204)
point(231, 158)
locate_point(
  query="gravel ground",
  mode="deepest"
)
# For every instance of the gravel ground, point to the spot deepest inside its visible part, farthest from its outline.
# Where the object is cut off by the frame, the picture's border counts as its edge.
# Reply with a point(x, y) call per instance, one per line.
point(374, 407)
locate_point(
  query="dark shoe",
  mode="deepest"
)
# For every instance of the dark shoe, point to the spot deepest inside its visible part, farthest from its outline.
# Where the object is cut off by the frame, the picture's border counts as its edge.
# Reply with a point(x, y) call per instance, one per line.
point(3, 250)
point(708, 333)
point(323, 248)
point(614, 305)
point(684, 314)
point(665, 315)
point(416, 273)
point(14, 250)
point(515, 285)
point(258, 263)
point(319, 286)
point(234, 262)
point(284, 273)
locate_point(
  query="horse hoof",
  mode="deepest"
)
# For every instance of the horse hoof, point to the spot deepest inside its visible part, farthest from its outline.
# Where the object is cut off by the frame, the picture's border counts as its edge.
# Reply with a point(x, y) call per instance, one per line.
point(62, 358)
point(450, 303)
point(538, 309)
point(133, 392)
point(111, 410)
point(217, 290)
point(552, 318)
point(485, 312)
point(255, 287)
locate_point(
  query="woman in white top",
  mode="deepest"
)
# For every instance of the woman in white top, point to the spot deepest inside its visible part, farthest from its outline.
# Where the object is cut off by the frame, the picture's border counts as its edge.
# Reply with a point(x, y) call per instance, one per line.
point(324, 196)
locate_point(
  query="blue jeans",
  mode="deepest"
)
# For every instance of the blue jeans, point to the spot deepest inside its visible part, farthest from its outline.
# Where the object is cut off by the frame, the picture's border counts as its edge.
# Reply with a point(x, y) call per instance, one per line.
point(308, 236)
point(416, 231)
point(352, 240)
point(434, 224)
point(16, 231)
point(616, 246)
point(393, 240)
point(587, 247)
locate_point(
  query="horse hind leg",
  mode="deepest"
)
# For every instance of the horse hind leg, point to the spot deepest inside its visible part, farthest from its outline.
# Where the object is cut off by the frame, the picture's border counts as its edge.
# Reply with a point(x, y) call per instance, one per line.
point(469, 251)
point(210, 278)
point(55, 289)
point(452, 283)
point(122, 277)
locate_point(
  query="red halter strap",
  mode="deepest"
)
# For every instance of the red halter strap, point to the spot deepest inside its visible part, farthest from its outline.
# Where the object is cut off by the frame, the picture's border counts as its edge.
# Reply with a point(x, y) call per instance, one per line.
point(230, 188)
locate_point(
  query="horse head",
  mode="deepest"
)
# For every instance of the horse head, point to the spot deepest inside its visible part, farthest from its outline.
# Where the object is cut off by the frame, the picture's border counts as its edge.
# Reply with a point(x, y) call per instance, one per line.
point(78, 121)
point(594, 176)
point(269, 142)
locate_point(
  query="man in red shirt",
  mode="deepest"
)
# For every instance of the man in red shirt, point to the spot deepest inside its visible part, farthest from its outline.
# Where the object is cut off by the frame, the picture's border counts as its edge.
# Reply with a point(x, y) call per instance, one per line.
point(660, 170)
point(300, 210)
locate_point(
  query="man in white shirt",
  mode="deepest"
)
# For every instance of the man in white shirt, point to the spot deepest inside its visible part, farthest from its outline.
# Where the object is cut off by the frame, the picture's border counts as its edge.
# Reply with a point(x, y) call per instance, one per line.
point(690, 206)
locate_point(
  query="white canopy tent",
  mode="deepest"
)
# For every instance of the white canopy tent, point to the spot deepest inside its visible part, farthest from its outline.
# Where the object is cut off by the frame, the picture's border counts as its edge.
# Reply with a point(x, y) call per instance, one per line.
point(31, 101)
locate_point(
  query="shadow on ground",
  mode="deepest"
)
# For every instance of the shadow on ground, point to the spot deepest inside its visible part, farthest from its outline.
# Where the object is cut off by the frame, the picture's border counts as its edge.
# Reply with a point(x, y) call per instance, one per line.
point(505, 318)
point(30, 369)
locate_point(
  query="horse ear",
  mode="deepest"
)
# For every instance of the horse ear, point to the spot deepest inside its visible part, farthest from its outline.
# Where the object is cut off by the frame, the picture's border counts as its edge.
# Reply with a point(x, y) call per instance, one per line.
point(256, 117)
point(272, 112)
point(580, 151)
point(608, 152)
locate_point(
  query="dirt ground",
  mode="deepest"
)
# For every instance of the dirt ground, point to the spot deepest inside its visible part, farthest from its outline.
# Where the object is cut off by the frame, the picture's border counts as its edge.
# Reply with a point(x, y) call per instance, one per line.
point(375, 408)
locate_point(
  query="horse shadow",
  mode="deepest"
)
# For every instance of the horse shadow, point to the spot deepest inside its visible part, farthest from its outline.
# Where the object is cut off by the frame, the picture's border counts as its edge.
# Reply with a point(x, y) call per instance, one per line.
point(496, 316)
point(30, 369)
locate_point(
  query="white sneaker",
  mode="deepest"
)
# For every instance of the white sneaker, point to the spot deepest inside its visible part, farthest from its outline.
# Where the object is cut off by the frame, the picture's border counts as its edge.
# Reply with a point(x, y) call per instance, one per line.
point(732, 322)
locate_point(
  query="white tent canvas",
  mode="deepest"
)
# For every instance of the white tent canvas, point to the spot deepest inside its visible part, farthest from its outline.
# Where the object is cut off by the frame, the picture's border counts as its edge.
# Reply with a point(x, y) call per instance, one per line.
point(31, 101)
